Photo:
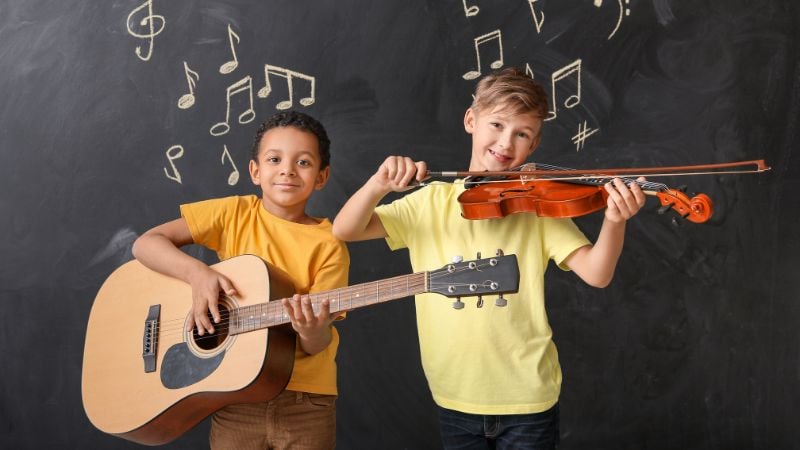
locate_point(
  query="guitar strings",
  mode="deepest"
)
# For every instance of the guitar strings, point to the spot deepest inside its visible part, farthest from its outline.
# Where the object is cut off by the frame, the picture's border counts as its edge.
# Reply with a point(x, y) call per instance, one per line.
point(171, 327)
point(275, 308)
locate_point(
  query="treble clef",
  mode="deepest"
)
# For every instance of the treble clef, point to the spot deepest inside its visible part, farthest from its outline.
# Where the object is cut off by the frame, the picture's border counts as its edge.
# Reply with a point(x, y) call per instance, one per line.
point(149, 21)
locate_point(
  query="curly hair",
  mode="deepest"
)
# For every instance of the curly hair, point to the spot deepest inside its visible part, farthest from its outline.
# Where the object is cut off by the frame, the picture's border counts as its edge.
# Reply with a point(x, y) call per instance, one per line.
point(302, 122)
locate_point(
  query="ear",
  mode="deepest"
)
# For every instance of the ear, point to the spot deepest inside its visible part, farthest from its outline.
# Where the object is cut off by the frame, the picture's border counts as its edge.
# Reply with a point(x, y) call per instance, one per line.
point(469, 121)
point(254, 172)
point(322, 178)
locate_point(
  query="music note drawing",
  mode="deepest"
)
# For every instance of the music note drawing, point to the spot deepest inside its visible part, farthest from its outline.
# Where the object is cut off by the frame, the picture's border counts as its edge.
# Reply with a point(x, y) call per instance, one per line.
point(289, 75)
point(243, 85)
point(233, 177)
point(538, 21)
point(571, 69)
point(231, 65)
point(187, 100)
point(153, 25)
point(496, 64)
point(470, 11)
point(173, 153)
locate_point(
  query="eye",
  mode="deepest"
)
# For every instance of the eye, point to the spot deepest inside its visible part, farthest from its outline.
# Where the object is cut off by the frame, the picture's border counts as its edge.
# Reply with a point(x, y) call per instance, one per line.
point(495, 124)
point(304, 163)
point(273, 159)
point(523, 135)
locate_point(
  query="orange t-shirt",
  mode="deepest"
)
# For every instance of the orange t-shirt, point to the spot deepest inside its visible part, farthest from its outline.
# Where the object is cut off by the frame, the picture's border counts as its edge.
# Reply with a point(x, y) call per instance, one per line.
point(314, 259)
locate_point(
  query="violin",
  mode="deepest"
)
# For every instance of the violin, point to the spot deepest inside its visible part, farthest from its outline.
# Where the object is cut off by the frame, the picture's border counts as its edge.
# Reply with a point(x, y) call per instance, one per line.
point(551, 191)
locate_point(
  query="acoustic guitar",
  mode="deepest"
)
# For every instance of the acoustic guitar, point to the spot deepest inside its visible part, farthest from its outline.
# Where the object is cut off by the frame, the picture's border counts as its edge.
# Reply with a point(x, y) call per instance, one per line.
point(148, 380)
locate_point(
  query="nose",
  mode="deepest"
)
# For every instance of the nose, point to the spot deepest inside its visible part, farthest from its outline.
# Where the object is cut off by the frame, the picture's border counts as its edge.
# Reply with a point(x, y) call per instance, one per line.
point(287, 169)
point(504, 141)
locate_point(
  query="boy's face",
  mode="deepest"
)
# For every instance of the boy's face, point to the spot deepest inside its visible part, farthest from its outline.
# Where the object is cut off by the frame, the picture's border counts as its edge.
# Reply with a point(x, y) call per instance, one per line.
point(501, 140)
point(288, 168)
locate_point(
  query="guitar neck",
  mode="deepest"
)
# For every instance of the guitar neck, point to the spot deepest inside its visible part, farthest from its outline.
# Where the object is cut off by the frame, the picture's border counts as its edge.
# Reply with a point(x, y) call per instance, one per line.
point(264, 315)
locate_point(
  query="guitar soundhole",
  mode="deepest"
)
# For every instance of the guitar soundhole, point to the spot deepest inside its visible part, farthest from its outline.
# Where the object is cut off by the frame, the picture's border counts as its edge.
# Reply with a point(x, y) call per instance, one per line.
point(212, 341)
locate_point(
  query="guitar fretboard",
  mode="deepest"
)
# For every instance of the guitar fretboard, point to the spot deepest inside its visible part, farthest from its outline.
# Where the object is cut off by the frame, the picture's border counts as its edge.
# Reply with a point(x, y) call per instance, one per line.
point(263, 315)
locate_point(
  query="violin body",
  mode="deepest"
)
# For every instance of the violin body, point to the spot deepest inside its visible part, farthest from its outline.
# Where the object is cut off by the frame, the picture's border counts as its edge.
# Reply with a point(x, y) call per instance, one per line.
point(544, 198)
point(547, 198)
point(551, 191)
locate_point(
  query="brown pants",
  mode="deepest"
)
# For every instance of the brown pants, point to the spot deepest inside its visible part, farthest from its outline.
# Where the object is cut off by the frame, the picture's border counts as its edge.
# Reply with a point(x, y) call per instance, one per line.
point(292, 420)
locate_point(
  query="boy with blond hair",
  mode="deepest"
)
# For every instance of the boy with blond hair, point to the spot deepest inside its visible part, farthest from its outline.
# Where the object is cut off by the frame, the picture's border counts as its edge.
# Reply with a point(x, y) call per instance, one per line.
point(290, 160)
point(493, 373)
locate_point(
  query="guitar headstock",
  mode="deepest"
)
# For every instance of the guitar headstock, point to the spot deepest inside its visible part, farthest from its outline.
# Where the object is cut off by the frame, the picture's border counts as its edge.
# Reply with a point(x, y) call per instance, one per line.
point(497, 275)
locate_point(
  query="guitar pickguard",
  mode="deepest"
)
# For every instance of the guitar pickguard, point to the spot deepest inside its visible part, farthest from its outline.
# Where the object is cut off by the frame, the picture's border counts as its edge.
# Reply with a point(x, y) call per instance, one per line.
point(182, 368)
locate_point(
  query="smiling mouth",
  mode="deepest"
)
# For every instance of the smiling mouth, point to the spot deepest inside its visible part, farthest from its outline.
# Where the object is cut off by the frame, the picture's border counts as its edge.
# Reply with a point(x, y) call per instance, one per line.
point(500, 157)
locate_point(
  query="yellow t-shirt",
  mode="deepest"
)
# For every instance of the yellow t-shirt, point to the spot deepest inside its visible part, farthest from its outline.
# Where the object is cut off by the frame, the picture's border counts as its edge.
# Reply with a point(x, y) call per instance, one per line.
point(490, 360)
point(314, 259)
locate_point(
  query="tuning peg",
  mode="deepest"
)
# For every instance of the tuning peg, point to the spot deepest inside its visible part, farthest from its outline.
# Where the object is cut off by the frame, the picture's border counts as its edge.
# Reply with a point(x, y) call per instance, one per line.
point(682, 188)
point(500, 301)
point(664, 208)
point(479, 255)
point(480, 301)
point(458, 304)
point(457, 259)
point(498, 252)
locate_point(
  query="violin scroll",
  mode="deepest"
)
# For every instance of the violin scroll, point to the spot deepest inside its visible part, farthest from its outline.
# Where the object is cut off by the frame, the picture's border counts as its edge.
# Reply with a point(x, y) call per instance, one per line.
point(697, 209)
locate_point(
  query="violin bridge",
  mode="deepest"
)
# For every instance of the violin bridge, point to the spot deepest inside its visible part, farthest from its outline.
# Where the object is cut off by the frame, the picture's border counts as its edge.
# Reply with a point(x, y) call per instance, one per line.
point(524, 178)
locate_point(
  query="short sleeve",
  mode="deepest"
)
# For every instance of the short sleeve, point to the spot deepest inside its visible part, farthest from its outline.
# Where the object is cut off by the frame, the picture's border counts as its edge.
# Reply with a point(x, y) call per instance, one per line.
point(206, 220)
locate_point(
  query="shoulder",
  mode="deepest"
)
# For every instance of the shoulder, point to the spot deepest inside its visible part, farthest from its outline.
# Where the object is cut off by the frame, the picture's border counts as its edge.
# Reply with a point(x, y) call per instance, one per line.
point(317, 240)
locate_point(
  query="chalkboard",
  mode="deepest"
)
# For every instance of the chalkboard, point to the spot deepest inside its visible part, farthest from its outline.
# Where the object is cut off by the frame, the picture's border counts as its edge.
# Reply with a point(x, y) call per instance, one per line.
point(114, 113)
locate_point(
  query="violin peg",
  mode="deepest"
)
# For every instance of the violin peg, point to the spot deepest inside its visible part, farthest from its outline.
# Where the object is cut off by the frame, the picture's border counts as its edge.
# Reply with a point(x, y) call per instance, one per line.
point(458, 304)
point(499, 252)
point(479, 255)
point(500, 301)
point(682, 188)
point(664, 208)
point(480, 302)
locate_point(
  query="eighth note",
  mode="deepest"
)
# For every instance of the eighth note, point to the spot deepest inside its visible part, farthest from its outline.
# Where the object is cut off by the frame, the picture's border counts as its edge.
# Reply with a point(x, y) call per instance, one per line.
point(243, 85)
point(498, 63)
point(231, 65)
point(187, 100)
point(233, 178)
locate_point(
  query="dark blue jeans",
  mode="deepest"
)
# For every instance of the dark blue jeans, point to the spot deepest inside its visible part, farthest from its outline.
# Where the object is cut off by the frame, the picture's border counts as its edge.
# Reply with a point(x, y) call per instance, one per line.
point(461, 431)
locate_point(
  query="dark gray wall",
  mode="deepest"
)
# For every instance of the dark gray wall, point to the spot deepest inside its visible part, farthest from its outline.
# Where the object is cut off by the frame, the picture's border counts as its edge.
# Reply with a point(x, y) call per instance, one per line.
point(693, 346)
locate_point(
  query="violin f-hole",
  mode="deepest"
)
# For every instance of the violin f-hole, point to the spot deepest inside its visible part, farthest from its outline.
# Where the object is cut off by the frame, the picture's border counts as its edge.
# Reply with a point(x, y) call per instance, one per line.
point(516, 191)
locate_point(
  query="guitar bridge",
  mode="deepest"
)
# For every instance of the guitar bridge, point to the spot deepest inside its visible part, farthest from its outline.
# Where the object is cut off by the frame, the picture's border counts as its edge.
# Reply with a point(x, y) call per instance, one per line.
point(150, 338)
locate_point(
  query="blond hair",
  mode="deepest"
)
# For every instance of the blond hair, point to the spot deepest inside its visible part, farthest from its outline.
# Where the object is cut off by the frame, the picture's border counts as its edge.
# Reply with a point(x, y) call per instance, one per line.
point(513, 91)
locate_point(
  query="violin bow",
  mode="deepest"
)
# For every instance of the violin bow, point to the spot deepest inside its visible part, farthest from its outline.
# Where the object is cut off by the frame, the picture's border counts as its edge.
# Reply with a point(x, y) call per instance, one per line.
point(740, 167)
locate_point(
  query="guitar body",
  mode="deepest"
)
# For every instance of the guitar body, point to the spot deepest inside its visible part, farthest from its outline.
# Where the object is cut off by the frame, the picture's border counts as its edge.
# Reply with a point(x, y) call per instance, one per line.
point(148, 381)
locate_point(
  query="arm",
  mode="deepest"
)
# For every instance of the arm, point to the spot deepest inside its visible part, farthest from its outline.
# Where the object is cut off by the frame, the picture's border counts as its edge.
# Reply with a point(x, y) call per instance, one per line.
point(314, 331)
point(595, 264)
point(357, 220)
point(158, 249)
